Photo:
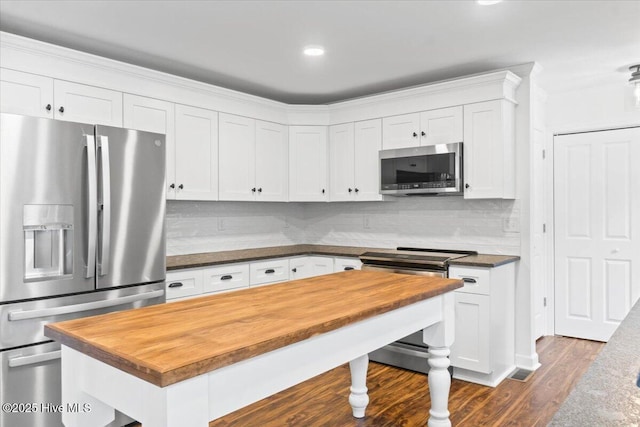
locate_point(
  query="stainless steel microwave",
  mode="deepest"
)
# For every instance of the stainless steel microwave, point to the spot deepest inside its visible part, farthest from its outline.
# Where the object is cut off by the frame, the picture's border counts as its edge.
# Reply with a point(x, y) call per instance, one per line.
point(428, 170)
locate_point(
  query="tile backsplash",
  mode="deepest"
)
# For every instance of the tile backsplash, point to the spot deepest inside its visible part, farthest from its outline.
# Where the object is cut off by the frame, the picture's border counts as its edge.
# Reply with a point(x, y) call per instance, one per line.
point(487, 226)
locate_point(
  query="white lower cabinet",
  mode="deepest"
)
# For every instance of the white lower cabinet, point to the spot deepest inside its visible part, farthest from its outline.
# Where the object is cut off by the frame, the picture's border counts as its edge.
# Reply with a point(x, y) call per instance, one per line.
point(484, 348)
point(268, 272)
point(226, 277)
point(184, 283)
point(346, 264)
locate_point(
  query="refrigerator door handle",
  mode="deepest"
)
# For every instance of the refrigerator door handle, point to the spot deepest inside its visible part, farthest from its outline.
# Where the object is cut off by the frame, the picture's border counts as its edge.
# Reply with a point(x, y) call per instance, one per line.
point(55, 311)
point(105, 227)
point(92, 201)
point(15, 362)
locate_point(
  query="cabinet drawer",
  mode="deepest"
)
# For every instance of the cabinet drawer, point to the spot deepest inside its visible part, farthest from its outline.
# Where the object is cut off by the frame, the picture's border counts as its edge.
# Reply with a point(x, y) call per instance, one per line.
point(226, 277)
point(346, 263)
point(476, 280)
point(271, 271)
point(183, 283)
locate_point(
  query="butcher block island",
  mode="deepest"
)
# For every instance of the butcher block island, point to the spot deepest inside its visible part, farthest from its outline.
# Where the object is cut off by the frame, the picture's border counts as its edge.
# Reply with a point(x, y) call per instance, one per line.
point(189, 362)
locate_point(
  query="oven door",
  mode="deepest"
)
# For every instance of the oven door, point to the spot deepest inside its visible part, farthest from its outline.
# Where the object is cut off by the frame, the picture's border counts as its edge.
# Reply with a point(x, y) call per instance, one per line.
point(409, 352)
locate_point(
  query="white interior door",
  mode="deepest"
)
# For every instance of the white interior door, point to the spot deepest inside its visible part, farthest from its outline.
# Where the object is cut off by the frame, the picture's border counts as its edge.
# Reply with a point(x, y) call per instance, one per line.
point(597, 241)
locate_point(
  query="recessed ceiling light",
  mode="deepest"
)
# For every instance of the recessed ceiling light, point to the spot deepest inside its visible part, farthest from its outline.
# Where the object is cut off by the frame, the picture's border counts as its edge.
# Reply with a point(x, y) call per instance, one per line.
point(314, 50)
point(487, 2)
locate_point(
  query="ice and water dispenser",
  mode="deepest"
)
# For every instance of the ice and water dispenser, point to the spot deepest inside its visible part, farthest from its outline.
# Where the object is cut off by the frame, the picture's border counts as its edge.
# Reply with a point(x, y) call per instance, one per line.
point(48, 242)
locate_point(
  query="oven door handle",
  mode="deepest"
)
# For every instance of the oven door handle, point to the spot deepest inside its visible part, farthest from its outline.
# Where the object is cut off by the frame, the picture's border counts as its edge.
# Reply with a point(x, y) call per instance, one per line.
point(55, 311)
point(15, 362)
point(407, 351)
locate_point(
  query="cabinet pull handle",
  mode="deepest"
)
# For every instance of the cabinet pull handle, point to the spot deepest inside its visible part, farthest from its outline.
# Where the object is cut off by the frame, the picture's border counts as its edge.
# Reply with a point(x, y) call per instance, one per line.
point(469, 280)
point(180, 186)
point(48, 107)
point(348, 268)
point(61, 109)
point(415, 134)
point(295, 270)
point(269, 271)
point(172, 186)
point(176, 285)
point(226, 277)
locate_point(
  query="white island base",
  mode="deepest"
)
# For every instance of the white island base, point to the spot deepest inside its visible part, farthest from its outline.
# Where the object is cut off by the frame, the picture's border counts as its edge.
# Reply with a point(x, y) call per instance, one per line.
point(194, 402)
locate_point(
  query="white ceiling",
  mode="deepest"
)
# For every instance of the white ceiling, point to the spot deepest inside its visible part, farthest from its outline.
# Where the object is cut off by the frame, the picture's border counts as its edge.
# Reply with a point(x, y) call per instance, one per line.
point(371, 46)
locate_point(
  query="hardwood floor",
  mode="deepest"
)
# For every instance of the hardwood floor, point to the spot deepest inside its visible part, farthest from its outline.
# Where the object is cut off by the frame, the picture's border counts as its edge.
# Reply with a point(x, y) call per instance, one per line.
point(401, 398)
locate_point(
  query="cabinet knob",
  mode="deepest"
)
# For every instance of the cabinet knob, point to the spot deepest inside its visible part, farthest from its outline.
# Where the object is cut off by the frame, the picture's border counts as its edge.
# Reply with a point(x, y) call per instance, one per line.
point(350, 190)
point(357, 190)
point(180, 186)
point(172, 186)
point(423, 133)
point(295, 270)
point(323, 191)
point(48, 107)
point(253, 190)
point(415, 134)
point(260, 190)
point(61, 109)
point(467, 186)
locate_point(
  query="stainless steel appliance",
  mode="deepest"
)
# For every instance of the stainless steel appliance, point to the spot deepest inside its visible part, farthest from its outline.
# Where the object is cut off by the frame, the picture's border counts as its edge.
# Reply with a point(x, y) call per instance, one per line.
point(428, 170)
point(82, 232)
point(409, 352)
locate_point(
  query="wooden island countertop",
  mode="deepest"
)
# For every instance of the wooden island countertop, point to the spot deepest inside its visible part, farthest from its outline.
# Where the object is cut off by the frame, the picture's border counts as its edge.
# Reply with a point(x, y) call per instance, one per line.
point(168, 343)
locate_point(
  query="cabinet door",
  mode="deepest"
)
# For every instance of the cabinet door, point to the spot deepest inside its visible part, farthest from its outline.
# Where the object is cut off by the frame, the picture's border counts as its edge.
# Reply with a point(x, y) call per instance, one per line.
point(367, 144)
point(196, 155)
point(26, 94)
point(443, 126)
point(401, 131)
point(300, 267)
point(272, 162)
point(472, 347)
point(237, 165)
point(341, 162)
point(87, 104)
point(153, 115)
point(308, 164)
point(488, 150)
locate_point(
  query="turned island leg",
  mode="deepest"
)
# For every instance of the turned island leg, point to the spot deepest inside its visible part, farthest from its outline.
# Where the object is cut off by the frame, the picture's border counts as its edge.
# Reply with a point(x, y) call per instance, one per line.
point(359, 399)
point(439, 338)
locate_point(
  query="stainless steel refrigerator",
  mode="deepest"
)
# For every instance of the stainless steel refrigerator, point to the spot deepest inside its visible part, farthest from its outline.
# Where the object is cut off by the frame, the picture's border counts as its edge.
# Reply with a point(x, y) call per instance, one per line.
point(82, 232)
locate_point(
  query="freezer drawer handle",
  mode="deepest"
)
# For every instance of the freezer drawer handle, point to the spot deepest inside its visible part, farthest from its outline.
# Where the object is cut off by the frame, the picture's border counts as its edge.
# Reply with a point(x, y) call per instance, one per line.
point(55, 311)
point(469, 280)
point(176, 285)
point(407, 351)
point(15, 362)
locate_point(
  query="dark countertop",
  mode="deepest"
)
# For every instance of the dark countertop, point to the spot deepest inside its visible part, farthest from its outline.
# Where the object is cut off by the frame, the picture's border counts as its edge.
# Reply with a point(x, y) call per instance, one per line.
point(607, 394)
point(177, 262)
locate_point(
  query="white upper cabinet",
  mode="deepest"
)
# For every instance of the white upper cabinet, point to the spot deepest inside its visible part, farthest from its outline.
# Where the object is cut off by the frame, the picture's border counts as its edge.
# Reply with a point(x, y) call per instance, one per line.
point(26, 94)
point(401, 131)
point(196, 154)
point(367, 144)
point(272, 162)
point(341, 162)
point(253, 159)
point(489, 150)
point(442, 126)
point(308, 167)
point(87, 104)
point(237, 157)
point(353, 161)
point(154, 115)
